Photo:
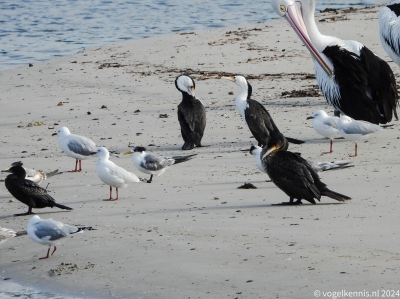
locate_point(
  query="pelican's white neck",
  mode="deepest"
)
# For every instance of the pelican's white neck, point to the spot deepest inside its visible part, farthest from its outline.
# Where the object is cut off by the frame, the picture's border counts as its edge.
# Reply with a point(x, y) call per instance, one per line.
point(319, 40)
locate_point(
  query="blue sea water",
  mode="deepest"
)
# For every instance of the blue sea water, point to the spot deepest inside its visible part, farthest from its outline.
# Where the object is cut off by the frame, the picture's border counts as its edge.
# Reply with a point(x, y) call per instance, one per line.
point(38, 30)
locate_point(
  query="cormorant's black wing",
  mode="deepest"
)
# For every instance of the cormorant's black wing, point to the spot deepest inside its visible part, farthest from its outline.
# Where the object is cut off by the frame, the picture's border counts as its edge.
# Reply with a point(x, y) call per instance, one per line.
point(259, 121)
point(33, 190)
point(192, 118)
point(293, 175)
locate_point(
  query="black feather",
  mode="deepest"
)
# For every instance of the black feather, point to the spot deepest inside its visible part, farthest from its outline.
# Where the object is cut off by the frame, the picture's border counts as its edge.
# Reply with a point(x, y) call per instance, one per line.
point(29, 192)
point(293, 175)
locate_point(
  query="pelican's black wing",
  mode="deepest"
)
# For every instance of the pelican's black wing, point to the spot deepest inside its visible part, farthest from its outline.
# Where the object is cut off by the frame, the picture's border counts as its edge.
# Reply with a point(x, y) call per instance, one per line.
point(367, 85)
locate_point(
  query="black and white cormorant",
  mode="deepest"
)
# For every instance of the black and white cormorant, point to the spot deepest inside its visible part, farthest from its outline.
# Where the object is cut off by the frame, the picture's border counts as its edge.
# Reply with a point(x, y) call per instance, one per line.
point(191, 113)
point(254, 114)
point(353, 80)
point(293, 175)
point(150, 164)
point(389, 30)
point(28, 192)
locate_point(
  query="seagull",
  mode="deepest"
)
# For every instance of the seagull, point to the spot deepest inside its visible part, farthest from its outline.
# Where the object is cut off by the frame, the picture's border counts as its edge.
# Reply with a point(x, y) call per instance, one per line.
point(6, 234)
point(36, 176)
point(316, 166)
point(50, 232)
point(254, 114)
point(191, 113)
point(293, 175)
point(28, 192)
point(355, 81)
point(75, 146)
point(325, 125)
point(356, 130)
point(111, 174)
point(389, 22)
point(150, 164)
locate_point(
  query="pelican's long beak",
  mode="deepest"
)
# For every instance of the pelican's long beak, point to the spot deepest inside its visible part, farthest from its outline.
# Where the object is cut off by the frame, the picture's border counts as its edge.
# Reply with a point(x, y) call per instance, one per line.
point(295, 18)
point(127, 153)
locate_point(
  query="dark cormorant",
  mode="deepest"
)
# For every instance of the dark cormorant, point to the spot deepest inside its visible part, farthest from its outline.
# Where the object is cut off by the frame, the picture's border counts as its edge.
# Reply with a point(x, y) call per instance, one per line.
point(254, 113)
point(191, 113)
point(292, 174)
point(28, 192)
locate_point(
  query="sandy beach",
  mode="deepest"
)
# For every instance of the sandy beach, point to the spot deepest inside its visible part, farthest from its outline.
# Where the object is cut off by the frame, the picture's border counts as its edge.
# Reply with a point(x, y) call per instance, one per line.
point(192, 233)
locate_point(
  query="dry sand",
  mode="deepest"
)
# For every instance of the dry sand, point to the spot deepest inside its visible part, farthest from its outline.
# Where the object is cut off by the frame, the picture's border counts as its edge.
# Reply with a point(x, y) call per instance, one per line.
point(192, 233)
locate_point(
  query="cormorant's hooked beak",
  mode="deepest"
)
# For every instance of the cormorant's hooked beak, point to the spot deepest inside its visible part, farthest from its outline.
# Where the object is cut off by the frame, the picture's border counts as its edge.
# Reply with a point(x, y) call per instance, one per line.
point(6, 170)
point(269, 150)
point(192, 91)
point(127, 153)
point(230, 78)
point(295, 18)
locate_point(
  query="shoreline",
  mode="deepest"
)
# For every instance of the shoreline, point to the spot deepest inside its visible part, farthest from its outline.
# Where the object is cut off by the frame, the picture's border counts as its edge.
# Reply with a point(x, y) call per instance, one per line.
point(81, 46)
point(192, 233)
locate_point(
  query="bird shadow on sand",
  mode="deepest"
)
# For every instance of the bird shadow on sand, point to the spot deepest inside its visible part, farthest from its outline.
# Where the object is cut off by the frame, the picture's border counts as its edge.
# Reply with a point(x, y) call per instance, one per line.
point(29, 216)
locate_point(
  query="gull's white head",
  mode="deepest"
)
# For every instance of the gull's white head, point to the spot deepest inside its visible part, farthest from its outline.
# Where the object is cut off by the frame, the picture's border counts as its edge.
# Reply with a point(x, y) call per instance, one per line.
point(63, 131)
point(185, 84)
point(33, 220)
point(319, 114)
point(103, 153)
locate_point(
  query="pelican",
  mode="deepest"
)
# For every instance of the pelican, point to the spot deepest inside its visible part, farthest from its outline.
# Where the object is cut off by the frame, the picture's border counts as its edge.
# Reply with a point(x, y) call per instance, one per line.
point(353, 80)
point(389, 30)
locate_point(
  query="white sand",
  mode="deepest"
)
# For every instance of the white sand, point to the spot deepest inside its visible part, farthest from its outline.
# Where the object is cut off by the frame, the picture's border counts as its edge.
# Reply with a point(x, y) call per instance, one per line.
point(192, 233)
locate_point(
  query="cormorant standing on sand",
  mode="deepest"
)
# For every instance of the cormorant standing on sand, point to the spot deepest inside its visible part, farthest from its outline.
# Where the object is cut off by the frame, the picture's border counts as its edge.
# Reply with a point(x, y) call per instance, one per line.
point(191, 113)
point(254, 114)
point(292, 174)
point(28, 192)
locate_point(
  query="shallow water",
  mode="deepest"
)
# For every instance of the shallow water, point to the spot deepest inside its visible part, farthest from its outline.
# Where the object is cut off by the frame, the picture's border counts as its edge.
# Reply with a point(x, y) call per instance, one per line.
point(10, 289)
point(38, 30)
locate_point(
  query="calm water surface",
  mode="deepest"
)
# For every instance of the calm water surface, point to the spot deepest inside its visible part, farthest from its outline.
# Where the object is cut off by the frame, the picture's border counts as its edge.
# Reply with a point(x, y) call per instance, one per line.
point(38, 30)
